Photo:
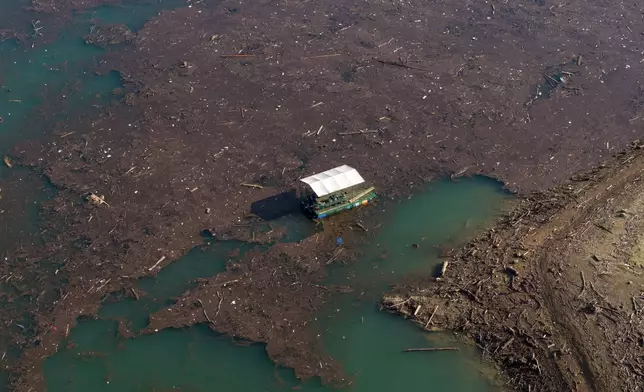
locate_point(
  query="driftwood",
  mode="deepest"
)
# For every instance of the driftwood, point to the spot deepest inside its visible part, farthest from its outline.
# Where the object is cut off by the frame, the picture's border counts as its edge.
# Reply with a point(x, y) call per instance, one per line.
point(253, 186)
point(359, 132)
point(157, 263)
point(399, 64)
point(411, 350)
point(583, 284)
point(444, 268)
point(431, 317)
point(606, 229)
point(237, 55)
point(204, 311)
point(360, 225)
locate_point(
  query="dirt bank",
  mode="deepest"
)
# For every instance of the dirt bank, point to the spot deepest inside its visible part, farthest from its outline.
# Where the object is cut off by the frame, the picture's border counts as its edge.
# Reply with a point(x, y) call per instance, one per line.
point(555, 293)
point(264, 93)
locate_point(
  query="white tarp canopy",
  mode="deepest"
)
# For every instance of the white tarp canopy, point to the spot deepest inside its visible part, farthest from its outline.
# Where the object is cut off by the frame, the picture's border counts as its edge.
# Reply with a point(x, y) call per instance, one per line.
point(333, 180)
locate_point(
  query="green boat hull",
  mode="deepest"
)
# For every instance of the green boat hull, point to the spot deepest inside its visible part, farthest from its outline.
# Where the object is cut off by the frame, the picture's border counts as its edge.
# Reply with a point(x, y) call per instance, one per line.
point(321, 213)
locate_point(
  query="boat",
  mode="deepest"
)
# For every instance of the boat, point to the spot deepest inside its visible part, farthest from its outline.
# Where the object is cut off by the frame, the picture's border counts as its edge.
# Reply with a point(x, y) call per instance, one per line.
point(335, 190)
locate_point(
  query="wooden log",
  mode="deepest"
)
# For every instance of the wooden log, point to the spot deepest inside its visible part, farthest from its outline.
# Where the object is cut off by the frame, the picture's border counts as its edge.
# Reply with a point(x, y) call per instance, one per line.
point(444, 268)
point(411, 350)
point(431, 317)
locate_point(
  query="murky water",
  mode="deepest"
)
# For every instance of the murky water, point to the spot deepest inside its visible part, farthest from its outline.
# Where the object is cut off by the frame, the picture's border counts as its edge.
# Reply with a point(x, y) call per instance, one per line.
point(42, 84)
point(367, 342)
point(45, 84)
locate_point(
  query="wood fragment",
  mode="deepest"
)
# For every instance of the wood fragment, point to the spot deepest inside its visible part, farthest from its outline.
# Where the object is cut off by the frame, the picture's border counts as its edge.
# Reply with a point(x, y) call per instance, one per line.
point(253, 186)
point(399, 64)
point(205, 314)
point(551, 80)
point(470, 295)
point(444, 268)
point(157, 263)
point(37, 28)
point(536, 361)
point(417, 310)
point(7, 161)
point(459, 173)
point(334, 255)
point(583, 284)
point(134, 293)
point(219, 305)
point(322, 56)
point(103, 285)
point(385, 43)
point(506, 344)
point(400, 303)
point(228, 282)
point(359, 132)
point(360, 225)
point(237, 55)
point(431, 317)
point(606, 229)
point(412, 350)
point(592, 286)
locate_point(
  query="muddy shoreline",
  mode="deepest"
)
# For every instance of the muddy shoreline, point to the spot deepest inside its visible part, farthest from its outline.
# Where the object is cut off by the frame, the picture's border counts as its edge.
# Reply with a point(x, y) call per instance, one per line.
point(217, 96)
point(538, 295)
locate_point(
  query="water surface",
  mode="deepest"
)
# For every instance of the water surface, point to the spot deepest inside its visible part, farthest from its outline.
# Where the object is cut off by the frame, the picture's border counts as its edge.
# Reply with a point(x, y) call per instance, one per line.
point(366, 341)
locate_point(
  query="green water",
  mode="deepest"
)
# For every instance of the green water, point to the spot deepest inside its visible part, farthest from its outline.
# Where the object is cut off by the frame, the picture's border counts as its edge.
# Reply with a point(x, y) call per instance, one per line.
point(367, 342)
point(443, 215)
point(48, 84)
point(132, 14)
point(43, 84)
point(172, 281)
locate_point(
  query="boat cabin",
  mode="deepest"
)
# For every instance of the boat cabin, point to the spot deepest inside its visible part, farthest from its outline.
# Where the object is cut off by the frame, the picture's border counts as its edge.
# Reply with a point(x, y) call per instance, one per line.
point(335, 190)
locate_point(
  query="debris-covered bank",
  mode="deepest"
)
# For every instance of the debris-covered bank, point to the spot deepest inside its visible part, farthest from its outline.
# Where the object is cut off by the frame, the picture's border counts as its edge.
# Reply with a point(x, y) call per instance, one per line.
point(555, 293)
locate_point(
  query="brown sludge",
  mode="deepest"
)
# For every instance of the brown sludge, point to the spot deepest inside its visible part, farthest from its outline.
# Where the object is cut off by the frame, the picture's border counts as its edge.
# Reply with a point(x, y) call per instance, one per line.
point(404, 92)
point(555, 299)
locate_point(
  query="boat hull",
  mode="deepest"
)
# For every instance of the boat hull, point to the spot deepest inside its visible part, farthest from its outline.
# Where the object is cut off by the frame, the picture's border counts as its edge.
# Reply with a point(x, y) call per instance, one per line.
point(321, 213)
